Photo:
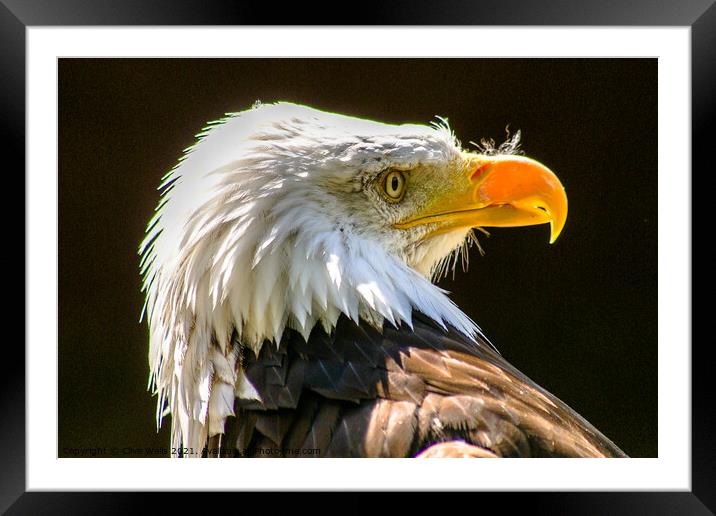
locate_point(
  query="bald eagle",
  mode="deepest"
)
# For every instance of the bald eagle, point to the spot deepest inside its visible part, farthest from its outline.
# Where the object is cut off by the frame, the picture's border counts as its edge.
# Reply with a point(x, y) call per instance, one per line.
point(287, 273)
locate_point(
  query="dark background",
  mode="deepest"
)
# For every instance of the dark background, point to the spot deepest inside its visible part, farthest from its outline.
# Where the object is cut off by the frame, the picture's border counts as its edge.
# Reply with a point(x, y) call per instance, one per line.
point(579, 317)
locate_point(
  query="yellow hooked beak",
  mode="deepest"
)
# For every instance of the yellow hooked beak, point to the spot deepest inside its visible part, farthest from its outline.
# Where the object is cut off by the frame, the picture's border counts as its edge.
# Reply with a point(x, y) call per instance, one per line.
point(497, 191)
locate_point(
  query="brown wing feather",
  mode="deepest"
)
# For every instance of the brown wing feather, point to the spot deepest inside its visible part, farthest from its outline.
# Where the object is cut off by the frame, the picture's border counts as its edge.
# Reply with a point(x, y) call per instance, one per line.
point(361, 393)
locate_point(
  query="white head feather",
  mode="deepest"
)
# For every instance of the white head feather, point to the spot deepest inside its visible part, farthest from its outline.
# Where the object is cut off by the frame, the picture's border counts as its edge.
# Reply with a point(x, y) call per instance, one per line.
point(266, 224)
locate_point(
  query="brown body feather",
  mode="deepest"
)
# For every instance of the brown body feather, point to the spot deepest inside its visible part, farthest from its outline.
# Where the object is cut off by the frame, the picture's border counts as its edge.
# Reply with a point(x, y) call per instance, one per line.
point(423, 392)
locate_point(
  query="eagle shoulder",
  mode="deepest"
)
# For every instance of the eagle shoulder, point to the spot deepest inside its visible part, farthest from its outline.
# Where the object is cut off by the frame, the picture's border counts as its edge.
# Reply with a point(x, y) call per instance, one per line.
point(360, 392)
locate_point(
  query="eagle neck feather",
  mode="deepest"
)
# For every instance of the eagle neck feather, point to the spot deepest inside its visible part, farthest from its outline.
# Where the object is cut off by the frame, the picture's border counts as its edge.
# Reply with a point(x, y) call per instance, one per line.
point(256, 281)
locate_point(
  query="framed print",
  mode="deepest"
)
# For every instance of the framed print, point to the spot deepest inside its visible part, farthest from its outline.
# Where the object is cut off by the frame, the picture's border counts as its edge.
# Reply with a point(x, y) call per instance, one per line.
point(242, 242)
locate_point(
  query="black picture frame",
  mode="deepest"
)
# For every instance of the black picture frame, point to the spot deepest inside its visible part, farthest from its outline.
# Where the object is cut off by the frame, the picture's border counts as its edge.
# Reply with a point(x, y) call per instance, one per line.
point(17, 15)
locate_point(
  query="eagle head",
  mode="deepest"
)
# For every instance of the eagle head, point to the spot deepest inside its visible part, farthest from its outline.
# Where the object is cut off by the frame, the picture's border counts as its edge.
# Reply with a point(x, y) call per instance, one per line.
point(284, 216)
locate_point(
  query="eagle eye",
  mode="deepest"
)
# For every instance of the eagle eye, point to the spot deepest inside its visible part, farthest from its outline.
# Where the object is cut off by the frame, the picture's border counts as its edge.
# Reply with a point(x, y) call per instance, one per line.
point(394, 185)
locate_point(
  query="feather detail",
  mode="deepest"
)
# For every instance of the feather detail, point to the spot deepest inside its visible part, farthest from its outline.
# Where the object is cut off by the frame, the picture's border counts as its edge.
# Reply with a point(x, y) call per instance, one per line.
point(258, 232)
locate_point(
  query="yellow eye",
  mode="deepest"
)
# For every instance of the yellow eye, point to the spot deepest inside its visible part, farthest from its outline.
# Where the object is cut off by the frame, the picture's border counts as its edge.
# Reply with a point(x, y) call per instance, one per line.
point(394, 185)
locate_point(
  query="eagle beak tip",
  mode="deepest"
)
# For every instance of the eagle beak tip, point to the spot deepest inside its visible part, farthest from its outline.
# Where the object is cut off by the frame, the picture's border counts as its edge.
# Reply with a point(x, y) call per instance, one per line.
point(555, 229)
point(558, 220)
